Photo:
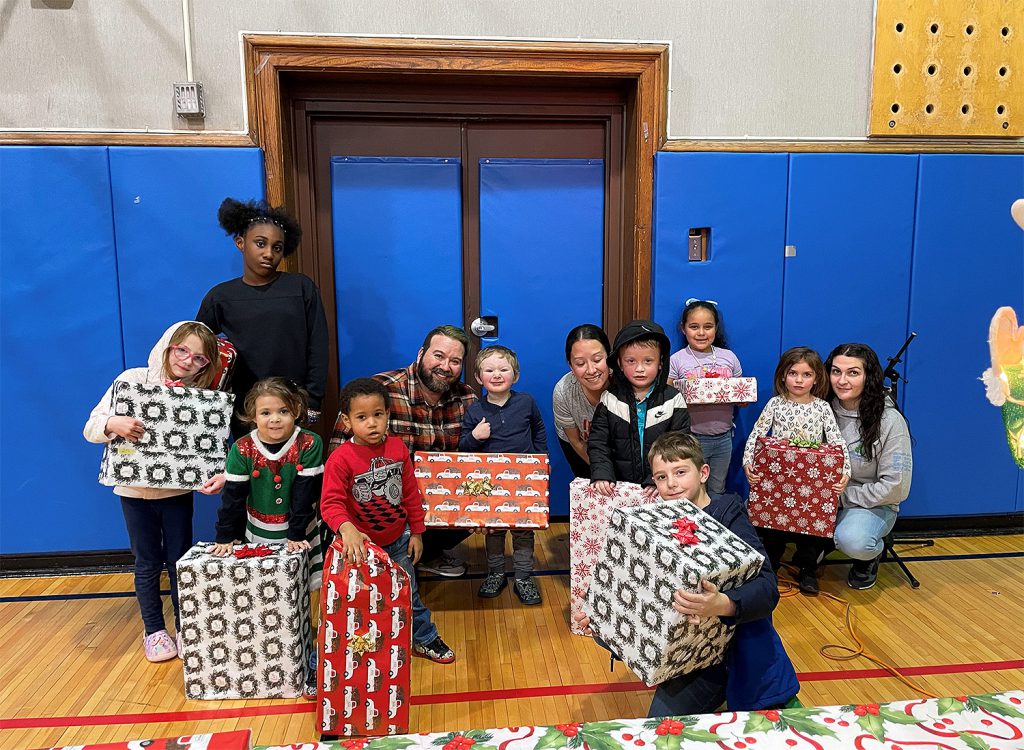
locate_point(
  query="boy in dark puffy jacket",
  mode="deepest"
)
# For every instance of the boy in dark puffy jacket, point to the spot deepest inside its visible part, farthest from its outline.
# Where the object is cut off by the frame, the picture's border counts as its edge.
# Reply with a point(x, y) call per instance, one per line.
point(637, 408)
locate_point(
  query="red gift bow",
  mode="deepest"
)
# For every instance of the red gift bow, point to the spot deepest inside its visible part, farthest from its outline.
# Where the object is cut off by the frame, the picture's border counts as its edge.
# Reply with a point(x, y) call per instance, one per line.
point(260, 550)
point(684, 531)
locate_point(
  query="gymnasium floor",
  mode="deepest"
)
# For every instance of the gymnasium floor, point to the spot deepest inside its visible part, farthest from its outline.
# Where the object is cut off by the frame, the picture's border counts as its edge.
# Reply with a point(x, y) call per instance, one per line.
point(72, 671)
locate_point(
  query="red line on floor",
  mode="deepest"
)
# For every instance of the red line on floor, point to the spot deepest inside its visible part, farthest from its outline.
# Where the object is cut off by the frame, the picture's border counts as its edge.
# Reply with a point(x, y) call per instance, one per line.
point(166, 717)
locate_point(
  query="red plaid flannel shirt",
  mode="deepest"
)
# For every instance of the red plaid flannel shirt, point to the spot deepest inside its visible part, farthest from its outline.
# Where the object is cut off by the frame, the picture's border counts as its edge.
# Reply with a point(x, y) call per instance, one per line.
point(420, 426)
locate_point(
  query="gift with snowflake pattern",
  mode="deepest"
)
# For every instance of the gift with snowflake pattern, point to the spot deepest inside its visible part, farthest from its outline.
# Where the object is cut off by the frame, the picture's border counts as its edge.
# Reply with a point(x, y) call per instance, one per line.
point(795, 492)
point(589, 514)
point(649, 552)
point(245, 624)
point(185, 442)
point(709, 390)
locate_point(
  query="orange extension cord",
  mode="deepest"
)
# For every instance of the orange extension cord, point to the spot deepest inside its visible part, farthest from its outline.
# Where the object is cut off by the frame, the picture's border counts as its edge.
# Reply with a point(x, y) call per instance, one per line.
point(788, 587)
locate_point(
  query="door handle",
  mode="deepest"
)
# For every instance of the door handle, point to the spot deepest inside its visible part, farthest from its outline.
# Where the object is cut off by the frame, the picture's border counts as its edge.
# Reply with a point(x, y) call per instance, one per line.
point(485, 326)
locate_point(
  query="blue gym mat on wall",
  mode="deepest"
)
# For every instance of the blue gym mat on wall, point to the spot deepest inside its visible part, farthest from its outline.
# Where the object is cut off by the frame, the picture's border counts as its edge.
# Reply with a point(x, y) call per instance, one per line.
point(742, 199)
point(112, 245)
point(968, 260)
point(61, 347)
point(397, 257)
point(537, 215)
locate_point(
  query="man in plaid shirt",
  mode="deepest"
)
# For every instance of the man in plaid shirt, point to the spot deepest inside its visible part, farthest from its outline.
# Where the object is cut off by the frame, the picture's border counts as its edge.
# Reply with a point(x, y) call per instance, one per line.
point(427, 404)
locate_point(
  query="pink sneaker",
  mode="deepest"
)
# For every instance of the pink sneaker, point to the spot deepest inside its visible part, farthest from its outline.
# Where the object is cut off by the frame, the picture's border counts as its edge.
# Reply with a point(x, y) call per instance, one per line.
point(159, 646)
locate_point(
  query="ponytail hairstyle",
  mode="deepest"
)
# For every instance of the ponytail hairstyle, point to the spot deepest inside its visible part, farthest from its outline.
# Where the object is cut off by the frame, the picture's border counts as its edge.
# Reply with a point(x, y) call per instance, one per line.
point(203, 378)
point(236, 218)
point(872, 400)
point(712, 307)
point(586, 332)
point(293, 395)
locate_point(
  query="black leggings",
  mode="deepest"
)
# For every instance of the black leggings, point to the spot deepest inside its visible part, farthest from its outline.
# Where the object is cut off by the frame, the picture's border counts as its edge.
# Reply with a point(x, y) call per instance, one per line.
point(580, 468)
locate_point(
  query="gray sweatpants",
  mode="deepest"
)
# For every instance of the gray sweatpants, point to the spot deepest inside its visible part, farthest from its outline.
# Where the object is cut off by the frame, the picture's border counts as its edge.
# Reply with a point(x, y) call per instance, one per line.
point(522, 551)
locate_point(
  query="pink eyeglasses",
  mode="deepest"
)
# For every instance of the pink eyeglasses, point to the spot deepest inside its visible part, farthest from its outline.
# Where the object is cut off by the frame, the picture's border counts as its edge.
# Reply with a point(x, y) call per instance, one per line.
point(182, 353)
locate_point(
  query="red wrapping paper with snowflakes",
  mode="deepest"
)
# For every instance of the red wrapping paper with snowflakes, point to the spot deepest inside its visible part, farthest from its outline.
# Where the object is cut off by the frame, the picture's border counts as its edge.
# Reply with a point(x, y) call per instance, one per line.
point(364, 645)
point(708, 390)
point(589, 515)
point(795, 492)
point(237, 740)
point(488, 490)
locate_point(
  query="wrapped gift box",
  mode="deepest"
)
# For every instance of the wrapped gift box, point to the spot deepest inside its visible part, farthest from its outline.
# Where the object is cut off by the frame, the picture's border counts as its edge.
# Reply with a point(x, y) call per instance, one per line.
point(589, 514)
point(795, 492)
point(719, 390)
point(186, 438)
point(237, 740)
point(244, 622)
point(365, 644)
point(649, 552)
point(491, 490)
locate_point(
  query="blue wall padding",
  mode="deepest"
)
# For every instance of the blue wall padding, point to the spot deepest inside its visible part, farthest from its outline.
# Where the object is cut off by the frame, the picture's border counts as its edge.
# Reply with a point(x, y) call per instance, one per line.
point(61, 347)
point(397, 257)
point(742, 198)
point(170, 248)
point(968, 260)
point(541, 261)
point(851, 218)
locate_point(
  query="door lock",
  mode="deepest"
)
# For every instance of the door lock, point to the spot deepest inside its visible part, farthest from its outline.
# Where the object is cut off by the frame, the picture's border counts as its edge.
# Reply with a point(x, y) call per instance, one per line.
point(486, 326)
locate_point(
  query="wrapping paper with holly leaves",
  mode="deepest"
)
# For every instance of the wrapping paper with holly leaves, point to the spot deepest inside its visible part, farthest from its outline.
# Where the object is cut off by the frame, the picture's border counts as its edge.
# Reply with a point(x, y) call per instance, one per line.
point(963, 722)
point(489, 490)
point(649, 552)
point(589, 514)
point(186, 438)
point(795, 492)
point(364, 645)
point(237, 740)
point(245, 625)
point(708, 390)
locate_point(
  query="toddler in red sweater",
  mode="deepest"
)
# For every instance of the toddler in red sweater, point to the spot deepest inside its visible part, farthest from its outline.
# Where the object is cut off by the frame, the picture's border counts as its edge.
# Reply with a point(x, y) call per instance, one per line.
point(370, 494)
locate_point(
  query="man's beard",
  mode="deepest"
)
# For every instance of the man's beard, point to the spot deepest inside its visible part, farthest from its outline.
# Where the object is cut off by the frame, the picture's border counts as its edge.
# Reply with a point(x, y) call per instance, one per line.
point(434, 383)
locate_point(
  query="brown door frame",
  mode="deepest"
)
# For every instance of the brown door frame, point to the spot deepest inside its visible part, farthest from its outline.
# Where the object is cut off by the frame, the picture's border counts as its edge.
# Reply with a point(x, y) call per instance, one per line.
point(641, 67)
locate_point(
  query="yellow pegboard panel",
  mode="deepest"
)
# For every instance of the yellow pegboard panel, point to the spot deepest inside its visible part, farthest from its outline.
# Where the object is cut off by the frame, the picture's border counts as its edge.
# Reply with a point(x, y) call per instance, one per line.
point(951, 68)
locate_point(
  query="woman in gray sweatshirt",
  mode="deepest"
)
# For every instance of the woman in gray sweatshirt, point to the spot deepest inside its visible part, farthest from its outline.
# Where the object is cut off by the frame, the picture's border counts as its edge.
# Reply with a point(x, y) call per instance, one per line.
point(878, 439)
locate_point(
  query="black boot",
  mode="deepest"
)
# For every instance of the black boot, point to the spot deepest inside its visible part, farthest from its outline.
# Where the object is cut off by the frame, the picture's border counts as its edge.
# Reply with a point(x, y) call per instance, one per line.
point(863, 574)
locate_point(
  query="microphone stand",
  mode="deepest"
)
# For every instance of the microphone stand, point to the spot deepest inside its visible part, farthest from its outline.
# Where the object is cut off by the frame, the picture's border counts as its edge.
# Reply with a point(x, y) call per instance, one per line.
point(888, 551)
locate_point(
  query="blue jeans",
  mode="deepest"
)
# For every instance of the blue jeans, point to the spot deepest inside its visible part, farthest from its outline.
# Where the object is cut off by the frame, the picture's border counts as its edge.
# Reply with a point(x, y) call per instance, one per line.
point(859, 531)
point(423, 629)
point(160, 532)
point(717, 455)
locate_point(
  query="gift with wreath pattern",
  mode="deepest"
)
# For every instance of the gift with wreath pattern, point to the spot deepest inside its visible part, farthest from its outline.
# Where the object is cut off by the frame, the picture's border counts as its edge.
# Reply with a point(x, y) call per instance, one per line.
point(185, 442)
point(649, 552)
point(245, 624)
point(364, 645)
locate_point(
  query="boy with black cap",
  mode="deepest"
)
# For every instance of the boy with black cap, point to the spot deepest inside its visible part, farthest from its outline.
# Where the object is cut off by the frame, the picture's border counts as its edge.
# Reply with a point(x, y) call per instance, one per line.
point(637, 408)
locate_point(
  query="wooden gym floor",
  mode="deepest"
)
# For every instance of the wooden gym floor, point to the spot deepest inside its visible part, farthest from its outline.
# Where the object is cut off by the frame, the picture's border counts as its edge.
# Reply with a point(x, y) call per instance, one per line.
point(72, 670)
